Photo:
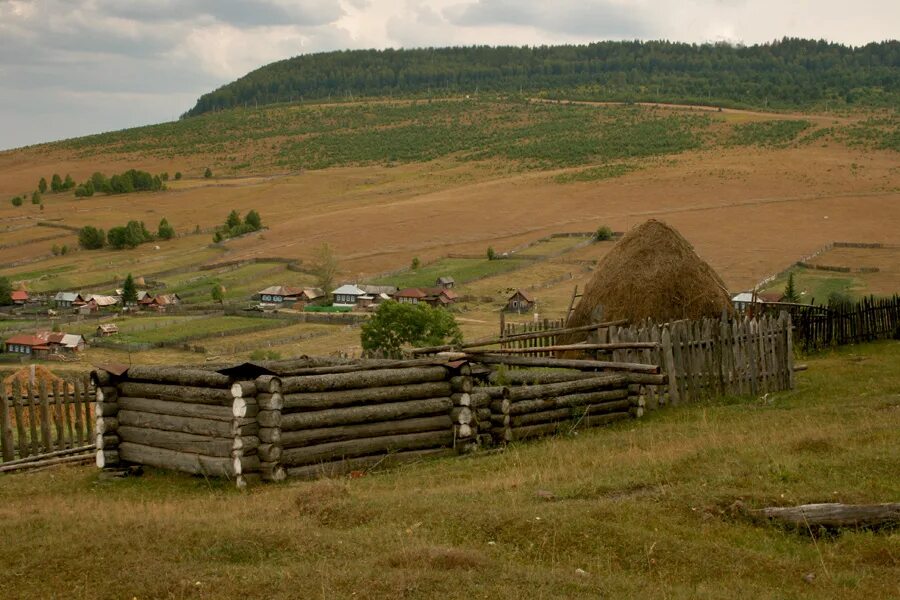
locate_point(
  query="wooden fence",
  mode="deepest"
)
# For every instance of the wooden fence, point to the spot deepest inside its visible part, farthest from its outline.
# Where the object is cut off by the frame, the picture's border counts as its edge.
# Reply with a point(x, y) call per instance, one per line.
point(39, 419)
point(868, 320)
point(706, 358)
point(508, 329)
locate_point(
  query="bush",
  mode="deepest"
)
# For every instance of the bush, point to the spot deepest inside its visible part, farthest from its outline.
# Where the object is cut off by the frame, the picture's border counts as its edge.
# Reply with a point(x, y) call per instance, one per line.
point(16, 201)
point(207, 173)
point(603, 234)
point(85, 190)
point(56, 183)
point(165, 231)
point(91, 238)
point(491, 255)
point(55, 250)
point(177, 175)
point(130, 236)
point(396, 324)
point(416, 263)
point(42, 186)
point(35, 197)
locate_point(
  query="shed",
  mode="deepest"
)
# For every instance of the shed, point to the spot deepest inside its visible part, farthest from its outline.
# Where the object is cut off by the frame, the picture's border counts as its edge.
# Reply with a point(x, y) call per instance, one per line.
point(445, 282)
point(107, 329)
point(19, 296)
point(521, 301)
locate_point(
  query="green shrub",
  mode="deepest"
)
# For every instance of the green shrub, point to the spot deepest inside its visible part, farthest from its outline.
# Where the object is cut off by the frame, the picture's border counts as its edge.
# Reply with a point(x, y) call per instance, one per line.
point(603, 234)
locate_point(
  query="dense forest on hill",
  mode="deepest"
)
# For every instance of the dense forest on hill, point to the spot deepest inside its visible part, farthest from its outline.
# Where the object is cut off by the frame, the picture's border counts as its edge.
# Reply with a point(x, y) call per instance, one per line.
point(790, 73)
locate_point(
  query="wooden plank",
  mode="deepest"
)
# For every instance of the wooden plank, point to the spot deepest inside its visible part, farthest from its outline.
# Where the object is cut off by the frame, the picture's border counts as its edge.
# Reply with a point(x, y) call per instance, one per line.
point(6, 435)
point(79, 425)
point(669, 366)
point(753, 356)
point(18, 408)
point(59, 401)
point(88, 403)
point(32, 419)
point(67, 414)
point(45, 417)
point(789, 350)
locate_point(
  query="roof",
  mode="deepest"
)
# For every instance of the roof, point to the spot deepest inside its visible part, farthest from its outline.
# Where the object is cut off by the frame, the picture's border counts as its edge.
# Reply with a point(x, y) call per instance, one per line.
point(18, 295)
point(101, 300)
point(67, 297)
point(281, 290)
point(108, 327)
point(349, 290)
point(528, 297)
point(410, 293)
point(378, 289)
point(438, 291)
point(24, 339)
point(167, 298)
point(313, 293)
point(72, 340)
point(446, 279)
point(744, 297)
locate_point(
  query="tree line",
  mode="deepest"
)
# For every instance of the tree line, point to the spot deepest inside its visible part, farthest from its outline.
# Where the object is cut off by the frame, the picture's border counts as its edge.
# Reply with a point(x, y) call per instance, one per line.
point(130, 235)
point(785, 73)
point(235, 226)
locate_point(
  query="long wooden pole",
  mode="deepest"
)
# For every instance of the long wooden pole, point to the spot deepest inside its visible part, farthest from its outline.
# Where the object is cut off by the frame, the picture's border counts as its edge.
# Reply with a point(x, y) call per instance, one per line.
point(530, 361)
point(566, 347)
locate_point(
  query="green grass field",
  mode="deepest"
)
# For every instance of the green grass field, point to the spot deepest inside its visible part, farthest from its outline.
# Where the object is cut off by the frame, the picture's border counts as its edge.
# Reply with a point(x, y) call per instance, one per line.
point(551, 246)
point(819, 285)
point(153, 330)
point(240, 283)
point(462, 270)
point(644, 509)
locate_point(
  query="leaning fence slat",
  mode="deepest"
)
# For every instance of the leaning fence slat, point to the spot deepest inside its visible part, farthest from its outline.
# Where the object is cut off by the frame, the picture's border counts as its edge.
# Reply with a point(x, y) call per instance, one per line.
point(32, 419)
point(88, 397)
point(18, 405)
point(67, 414)
point(58, 400)
point(6, 435)
point(79, 425)
point(45, 417)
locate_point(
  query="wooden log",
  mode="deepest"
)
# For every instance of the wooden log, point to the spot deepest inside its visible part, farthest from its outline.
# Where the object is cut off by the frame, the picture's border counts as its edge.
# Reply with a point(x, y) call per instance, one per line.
point(462, 399)
point(239, 408)
point(567, 413)
point(482, 414)
point(6, 435)
point(242, 463)
point(315, 366)
point(563, 363)
point(367, 463)
point(107, 425)
point(494, 391)
point(479, 400)
point(365, 414)
point(600, 420)
point(550, 390)
point(101, 378)
point(539, 404)
point(270, 435)
point(648, 379)
point(269, 418)
point(363, 446)
point(272, 471)
point(268, 401)
point(500, 420)
point(56, 453)
point(24, 448)
point(88, 415)
point(461, 415)
point(833, 515)
point(463, 431)
point(485, 426)
point(187, 442)
point(176, 393)
point(108, 458)
point(107, 409)
point(105, 394)
point(461, 384)
point(38, 464)
point(270, 452)
point(544, 416)
point(243, 389)
point(375, 395)
point(500, 406)
point(605, 347)
point(33, 419)
point(197, 426)
point(164, 458)
point(78, 408)
point(309, 437)
point(363, 379)
point(533, 376)
point(268, 384)
point(246, 443)
point(182, 376)
point(107, 441)
point(504, 339)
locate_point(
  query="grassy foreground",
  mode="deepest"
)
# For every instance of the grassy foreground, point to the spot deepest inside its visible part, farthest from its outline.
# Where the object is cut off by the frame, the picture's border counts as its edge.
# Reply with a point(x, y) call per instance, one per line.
point(636, 511)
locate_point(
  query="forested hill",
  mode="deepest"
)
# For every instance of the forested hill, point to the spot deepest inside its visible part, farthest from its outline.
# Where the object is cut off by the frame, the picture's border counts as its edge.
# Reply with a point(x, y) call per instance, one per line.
point(790, 73)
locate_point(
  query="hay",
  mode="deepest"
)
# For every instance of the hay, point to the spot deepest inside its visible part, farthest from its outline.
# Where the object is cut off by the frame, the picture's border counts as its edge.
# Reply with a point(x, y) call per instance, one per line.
point(41, 373)
point(651, 273)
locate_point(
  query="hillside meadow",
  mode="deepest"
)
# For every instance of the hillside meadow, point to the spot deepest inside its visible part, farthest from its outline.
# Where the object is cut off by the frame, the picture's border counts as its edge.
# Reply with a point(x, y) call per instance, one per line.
point(648, 508)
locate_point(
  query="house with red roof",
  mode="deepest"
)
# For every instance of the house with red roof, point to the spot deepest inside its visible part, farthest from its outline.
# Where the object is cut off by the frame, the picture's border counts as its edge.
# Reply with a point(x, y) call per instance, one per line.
point(28, 344)
point(19, 297)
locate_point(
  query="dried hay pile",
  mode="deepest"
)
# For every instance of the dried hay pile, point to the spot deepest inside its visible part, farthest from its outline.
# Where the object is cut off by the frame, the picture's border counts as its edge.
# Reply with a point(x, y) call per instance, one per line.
point(41, 373)
point(651, 273)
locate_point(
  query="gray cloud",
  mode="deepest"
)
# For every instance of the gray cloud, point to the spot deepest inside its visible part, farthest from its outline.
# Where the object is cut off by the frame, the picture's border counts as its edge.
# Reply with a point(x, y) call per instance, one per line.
point(573, 17)
point(235, 12)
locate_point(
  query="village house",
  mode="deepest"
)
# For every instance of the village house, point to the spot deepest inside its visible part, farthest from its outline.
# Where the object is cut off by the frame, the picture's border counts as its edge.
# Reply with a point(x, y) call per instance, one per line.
point(29, 345)
point(141, 294)
point(346, 296)
point(308, 296)
point(68, 300)
point(520, 301)
point(379, 290)
point(279, 294)
point(445, 282)
point(107, 329)
point(410, 296)
point(440, 296)
point(102, 301)
point(65, 343)
point(19, 297)
point(161, 302)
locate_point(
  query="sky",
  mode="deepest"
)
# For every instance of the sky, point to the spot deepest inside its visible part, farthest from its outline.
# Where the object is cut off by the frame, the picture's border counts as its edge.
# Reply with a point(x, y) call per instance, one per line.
point(75, 67)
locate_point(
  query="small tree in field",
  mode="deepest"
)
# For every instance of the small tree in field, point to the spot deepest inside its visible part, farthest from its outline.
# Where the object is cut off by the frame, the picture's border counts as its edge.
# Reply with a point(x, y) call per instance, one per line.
point(207, 173)
point(253, 220)
point(177, 175)
point(16, 201)
point(491, 255)
point(42, 186)
point(790, 292)
point(325, 268)
point(396, 324)
point(129, 291)
point(5, 291)
point(218, 294)
point(415, 264)
point(35, 197)
point(603, 234)
point(56, 183)
point(165, 231)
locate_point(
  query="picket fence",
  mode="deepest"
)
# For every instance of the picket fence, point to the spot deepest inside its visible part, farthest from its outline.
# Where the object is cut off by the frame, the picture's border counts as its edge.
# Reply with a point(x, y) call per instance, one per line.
point(869, 319)
point(37, 419)
point(704, 359)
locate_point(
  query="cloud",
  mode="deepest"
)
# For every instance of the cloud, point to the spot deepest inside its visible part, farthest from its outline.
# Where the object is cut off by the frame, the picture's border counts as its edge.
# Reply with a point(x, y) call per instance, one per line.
point(241, 13)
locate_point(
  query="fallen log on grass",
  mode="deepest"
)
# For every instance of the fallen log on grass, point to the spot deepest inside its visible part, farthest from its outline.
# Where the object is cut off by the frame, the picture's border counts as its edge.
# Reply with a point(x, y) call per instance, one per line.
point(37, 464)
point(366, 463)
point(308, 437)
point(562, 363)
point(567, 413)
point(48, 455)
point(570, 400)
point(365, 414)
point(374, 395)
point(833, 515)
point(513, 434)
point(362, 379)
point(363, 446)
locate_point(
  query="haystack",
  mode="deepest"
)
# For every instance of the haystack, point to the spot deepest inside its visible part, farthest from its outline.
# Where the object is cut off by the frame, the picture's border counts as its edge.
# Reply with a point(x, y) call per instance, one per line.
point(652, 272)
point(41, 373)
